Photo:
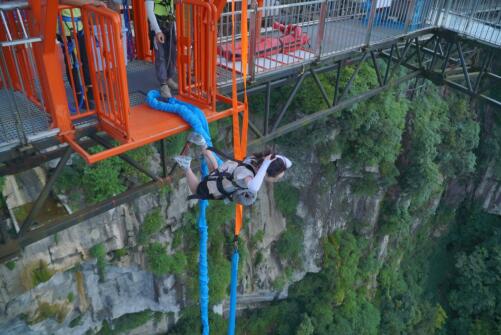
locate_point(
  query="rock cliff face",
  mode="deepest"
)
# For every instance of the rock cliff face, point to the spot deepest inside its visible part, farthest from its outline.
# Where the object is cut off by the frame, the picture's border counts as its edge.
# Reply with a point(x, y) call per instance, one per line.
point(126, 290)
point(489, 192)
point(128, 287)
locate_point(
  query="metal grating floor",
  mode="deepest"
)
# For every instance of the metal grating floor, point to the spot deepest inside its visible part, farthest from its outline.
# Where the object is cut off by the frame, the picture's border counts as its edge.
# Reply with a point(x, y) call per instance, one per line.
point(137, 98)
point(34, 119)
point(141, 76)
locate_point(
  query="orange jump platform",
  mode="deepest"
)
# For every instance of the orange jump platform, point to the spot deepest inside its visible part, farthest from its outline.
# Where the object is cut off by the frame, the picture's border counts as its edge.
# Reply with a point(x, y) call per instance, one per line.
point(147, 125)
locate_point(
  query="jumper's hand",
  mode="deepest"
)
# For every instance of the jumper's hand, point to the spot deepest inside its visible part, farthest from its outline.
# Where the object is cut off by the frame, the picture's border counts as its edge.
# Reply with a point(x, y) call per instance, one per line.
point(270, 157)
point(160, 37)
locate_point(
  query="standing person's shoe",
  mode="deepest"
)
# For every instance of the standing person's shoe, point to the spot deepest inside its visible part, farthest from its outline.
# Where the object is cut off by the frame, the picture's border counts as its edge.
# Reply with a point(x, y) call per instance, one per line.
point(172, 84)
point(165, 91)
point(183, 161)
point(197, 139)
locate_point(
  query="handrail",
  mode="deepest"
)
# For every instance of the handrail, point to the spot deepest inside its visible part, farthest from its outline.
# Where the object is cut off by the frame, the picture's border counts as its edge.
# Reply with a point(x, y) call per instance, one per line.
point(20, 42)
point(11, 5)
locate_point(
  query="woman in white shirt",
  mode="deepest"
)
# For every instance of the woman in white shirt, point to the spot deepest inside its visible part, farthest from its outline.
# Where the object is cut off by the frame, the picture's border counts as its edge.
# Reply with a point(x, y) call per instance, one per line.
point(237, 181)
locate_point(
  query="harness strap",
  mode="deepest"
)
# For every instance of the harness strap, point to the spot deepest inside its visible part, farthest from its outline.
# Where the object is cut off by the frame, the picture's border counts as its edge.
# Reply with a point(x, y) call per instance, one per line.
point(220, 188)
point(240, 162)
point(219, 177)
point(70, 19)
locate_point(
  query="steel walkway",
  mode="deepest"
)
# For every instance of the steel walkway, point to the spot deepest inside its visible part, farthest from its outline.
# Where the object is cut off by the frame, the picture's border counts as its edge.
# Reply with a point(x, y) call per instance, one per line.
point(333, 28)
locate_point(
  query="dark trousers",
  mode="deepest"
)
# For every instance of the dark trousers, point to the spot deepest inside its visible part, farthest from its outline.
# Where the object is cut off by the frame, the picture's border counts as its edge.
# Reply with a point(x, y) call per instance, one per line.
point(74, 66)
point(166, 53)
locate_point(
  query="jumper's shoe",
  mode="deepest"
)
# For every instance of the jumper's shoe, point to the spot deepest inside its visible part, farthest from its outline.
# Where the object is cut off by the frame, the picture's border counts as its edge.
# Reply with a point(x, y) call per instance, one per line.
point(165, 91)
point(172, 84)
point(183, 161)
point(197, 139)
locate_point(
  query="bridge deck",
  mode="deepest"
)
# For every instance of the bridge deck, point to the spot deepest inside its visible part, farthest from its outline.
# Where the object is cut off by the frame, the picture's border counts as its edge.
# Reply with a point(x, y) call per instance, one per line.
point(489, 32)
point(341, 35)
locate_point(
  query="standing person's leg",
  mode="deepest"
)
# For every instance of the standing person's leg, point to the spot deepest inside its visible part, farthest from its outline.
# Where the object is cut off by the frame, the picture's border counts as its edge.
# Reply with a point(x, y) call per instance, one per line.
point(161, 69)
point(171, 43)
point(70, 66)
point(85, 65)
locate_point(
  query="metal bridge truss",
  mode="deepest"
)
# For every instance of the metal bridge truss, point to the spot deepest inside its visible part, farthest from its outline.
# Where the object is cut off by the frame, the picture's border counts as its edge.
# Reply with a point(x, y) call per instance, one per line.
point(442, 57)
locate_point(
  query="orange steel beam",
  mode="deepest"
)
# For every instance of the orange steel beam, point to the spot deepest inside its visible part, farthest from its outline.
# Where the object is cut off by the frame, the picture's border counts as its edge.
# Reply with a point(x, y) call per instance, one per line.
point(141, 31)
point(44, 22)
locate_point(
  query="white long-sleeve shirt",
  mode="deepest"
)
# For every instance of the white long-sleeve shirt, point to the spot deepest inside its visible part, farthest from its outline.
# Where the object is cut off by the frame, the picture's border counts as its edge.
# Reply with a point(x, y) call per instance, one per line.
point(241, 175)
point(150, 11)
point(255, 184)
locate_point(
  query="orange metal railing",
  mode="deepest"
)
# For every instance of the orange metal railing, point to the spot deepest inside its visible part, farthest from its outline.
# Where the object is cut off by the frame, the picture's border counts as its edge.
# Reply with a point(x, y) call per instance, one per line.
point(70, 36)
point(197, 36)
point(103, 41)
point(17, 60)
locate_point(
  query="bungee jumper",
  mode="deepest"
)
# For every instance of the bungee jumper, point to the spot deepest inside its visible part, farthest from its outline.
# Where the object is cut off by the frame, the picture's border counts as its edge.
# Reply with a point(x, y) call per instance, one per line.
point(233, 180)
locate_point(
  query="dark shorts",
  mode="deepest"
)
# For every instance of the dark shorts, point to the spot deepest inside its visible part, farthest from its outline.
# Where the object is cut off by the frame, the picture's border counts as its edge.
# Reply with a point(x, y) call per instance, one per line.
point(203, 190)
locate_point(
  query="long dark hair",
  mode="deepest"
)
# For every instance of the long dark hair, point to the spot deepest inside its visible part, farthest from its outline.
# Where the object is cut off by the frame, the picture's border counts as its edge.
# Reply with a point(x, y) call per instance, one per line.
point(276, 167)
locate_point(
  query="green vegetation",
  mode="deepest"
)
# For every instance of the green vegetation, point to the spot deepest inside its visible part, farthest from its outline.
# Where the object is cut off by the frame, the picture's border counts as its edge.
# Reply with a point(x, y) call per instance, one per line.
point(70, 297)
point(257, 238)
point(490, 145)
point(290, 244)
point(441, 140)
point(36, 273)
point(174, 144)
point(440, 271)
point(443, 285)
point(76, 321)
point(99, 252)
point(101, 180)
point(286, 198)
point(160, 263)
point(220, 249)
point(142, 156)
point(98, 181)
point(46, 310)
point(426, 280)
point(151, 225)
point(119, 253)
point(474, 297)
point(11, 265)
point(126, 323)
point(306, 326)
point(330, 302)
point(189, 323)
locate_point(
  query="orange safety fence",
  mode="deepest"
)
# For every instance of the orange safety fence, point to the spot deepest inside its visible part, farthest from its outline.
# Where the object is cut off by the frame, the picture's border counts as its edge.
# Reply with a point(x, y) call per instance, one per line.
point(74, 60)
point(140, 26)
point(103, 41)
point(17, 61)
point(196, 60)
